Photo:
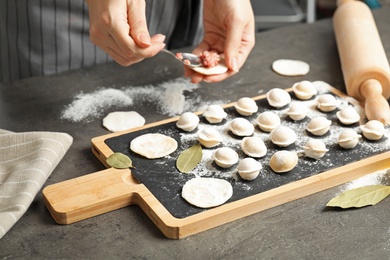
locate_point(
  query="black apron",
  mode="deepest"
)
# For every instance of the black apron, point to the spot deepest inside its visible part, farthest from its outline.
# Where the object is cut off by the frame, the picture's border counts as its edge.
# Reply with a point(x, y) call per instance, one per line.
point(43, 37)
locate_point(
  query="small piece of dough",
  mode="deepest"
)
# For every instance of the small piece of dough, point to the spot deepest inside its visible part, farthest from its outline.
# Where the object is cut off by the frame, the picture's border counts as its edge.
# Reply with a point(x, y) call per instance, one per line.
point(153, 146)
point(219, 69)
point(122, 120)
point(207, 192)
point(287, 67)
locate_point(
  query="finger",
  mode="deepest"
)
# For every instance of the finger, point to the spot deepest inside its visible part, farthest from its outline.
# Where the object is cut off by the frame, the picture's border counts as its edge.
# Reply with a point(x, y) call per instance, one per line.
point(232, 46)
point(138, 26)
point(203, 46)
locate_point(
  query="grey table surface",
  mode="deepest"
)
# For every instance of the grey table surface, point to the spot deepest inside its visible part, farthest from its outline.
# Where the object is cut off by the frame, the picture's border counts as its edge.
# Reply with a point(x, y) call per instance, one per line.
point(301, 229)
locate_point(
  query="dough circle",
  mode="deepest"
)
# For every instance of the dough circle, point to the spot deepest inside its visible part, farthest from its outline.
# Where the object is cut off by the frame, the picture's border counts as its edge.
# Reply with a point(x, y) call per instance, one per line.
point(219, 69)
point(288, 67)
point(207, 192)
point(153, 146)
point(123, 120)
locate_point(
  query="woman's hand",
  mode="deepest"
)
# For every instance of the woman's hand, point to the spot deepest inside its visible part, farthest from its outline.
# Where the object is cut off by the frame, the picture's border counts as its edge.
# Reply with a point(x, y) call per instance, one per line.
point(229, 28)
point(119, 28)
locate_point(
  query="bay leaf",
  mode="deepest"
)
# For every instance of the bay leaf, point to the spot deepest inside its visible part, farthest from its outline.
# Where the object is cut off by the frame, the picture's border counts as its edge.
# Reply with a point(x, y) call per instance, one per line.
point(360, 197)
point(119, 161)
point(189, 159)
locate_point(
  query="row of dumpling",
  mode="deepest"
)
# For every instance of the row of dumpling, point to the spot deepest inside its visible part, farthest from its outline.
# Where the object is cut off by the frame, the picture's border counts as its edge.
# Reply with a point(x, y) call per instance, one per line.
point(282, 136)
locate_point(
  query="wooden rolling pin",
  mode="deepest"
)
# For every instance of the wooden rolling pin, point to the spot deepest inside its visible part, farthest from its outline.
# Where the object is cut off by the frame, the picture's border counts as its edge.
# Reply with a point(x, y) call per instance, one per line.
point(363, 59)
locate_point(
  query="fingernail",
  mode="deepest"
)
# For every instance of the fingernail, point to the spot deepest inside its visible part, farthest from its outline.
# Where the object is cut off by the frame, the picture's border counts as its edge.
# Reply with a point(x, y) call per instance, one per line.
point(234, 64)
point(144, 38)
point(162, 38)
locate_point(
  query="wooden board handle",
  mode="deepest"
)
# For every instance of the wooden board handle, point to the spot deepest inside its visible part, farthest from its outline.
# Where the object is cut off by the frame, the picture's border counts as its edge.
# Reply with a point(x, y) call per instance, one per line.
point(90, 195)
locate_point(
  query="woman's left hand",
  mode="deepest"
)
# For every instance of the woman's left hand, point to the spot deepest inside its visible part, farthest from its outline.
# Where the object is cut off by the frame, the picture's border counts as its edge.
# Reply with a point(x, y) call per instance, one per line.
point(229, 28)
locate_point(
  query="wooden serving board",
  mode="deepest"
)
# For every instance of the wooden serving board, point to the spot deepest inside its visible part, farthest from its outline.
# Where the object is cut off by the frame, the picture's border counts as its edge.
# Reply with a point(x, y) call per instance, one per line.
point(155, 185)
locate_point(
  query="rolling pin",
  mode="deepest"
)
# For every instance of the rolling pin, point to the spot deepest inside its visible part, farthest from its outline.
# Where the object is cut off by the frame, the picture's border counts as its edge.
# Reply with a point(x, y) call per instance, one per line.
point(363, 59)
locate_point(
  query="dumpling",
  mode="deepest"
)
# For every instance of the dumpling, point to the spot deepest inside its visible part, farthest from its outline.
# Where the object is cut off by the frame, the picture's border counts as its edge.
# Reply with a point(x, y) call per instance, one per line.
point(348, 139)
point(348, 115)
point(315, 149)
point(241, 127)
point(253, 146)
point(304, 90)
point(249, 169)
point(278, 97)
point(225, 157)
point(327, 103)
point(268, 121)
point(373, 130)
point(297, 111)
point(214, 114)
point(283, 161)
point(188, 121)
point(246, 106)
point(209, 137)
point(283, 136)
point(318, 125)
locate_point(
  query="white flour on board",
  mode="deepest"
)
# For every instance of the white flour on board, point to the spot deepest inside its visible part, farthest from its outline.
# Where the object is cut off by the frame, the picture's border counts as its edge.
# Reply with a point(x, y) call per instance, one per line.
point(168, 97)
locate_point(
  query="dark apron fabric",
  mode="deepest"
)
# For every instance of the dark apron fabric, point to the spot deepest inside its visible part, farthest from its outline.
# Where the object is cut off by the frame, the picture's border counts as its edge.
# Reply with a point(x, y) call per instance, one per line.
point(43, 37)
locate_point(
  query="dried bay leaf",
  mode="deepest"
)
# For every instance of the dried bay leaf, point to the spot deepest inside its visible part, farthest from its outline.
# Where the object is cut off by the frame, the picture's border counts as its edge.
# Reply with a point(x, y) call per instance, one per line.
point(189, 159)
point(360, 197)
point(119, 161)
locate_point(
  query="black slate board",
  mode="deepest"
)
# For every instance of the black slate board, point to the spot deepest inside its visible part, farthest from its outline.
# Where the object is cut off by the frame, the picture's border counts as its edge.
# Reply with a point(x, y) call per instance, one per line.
point(164, 181)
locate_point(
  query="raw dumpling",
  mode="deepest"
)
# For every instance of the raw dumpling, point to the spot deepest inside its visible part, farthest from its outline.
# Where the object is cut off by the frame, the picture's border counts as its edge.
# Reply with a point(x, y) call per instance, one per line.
point(268, 121)
point(241, 127)
point(249, 169)
point(297, 111)
point(246, 106)
point(225, 157)
point(315, 149)
point(373, 130)
point(283, 161)
point(253, 146)
point(123, 120)
point(327, 103)
point(207, 192)
point(283, 136)
point(304, 90)
point(278, 97)
point(214, 114)
point(348, 139)
point(153, 146)
point(188, 121)
point(209, 137)
point(318, 125)
point(348, 115)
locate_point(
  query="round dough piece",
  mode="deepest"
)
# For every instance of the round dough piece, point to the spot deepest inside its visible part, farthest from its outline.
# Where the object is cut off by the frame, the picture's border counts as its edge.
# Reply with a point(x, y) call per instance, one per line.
point(123, 120)
point(219, 69)
point(153, 146)
point(288, 67)
point(207, 192)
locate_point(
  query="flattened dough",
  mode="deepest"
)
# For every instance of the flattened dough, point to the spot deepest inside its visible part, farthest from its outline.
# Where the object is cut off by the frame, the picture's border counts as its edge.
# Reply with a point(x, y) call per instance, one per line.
point(122, 120)
point(219, 69)
point(207, 192)
point(153, 146)
point(288, 67)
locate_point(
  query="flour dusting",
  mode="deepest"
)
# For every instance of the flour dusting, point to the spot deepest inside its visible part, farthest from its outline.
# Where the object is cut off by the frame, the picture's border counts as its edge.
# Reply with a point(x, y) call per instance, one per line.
point(169, 98)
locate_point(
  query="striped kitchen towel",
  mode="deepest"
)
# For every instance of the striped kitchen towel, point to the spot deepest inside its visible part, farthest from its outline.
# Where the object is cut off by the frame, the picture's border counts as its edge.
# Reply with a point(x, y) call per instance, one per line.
point(26, 161)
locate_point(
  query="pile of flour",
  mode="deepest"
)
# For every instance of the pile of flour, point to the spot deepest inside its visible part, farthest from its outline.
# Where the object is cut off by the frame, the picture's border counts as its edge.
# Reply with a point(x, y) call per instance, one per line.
point(168, 97)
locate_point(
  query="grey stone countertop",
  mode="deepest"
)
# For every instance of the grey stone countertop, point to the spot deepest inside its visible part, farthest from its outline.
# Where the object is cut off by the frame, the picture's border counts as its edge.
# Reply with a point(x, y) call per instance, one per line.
point(301, 229)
